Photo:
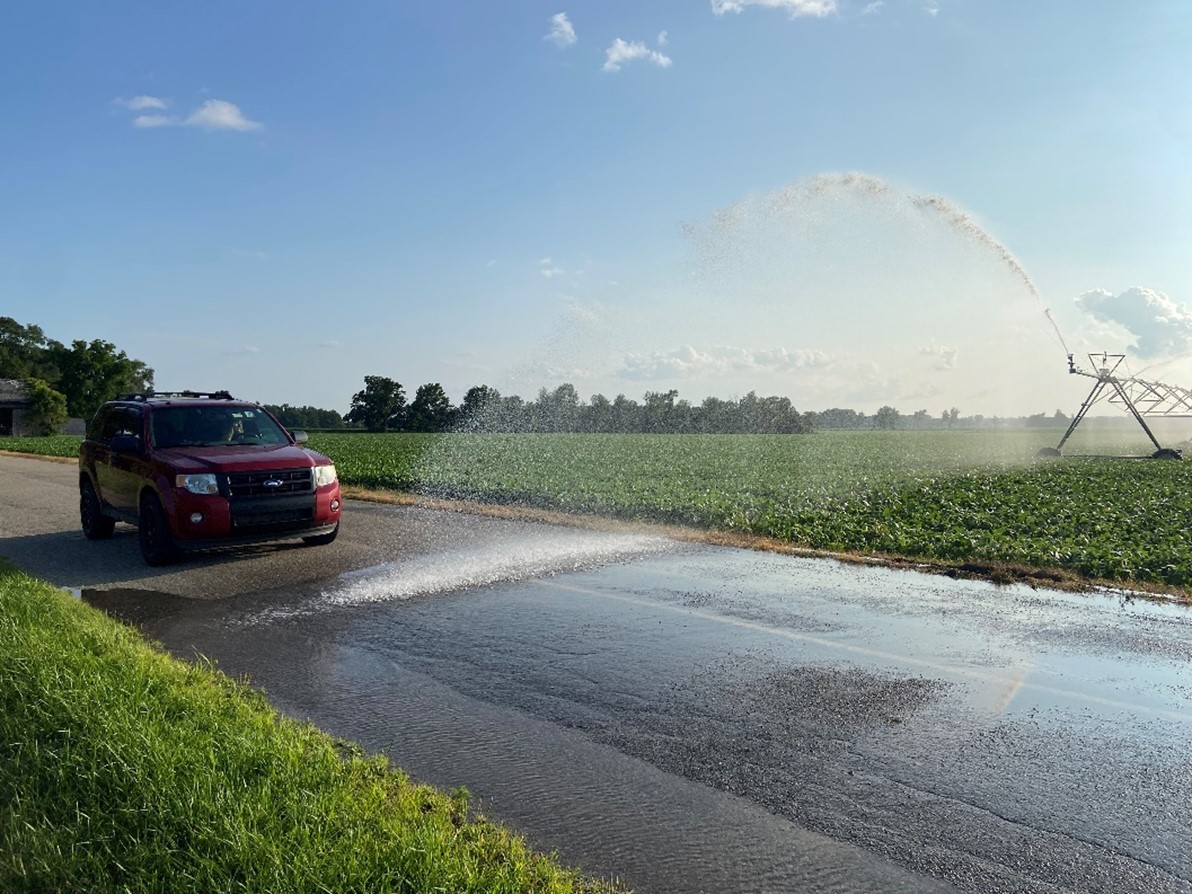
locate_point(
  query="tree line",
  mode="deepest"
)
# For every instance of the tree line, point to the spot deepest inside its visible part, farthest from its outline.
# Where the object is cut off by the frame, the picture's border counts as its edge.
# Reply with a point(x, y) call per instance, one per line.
point(381, 406)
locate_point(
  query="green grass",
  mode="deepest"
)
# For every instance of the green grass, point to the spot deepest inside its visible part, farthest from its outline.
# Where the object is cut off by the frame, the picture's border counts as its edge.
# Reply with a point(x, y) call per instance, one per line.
point(124, 770)
point(937, 495)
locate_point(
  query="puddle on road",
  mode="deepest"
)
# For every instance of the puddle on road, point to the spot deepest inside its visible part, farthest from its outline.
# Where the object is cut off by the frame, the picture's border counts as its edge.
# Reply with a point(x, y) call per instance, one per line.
point(957, 728)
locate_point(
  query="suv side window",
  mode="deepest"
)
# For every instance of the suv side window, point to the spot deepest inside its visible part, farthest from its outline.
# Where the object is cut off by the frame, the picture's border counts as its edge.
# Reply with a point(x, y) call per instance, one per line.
point(118, 421)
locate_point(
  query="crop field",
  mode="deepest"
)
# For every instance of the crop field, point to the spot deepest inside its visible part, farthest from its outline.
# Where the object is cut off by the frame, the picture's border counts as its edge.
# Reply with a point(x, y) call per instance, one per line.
point(954, 496)
point(941, 495)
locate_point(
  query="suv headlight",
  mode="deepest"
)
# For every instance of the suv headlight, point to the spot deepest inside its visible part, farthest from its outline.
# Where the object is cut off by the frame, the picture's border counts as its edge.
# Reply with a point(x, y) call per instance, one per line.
point(324, 475)
point(198, 483)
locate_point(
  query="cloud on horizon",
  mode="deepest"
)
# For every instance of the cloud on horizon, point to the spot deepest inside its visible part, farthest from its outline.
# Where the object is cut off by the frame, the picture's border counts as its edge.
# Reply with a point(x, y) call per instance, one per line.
point(562, 32)
point(688, 362)
point(944, 356)
point(796, 8)
point(1160, 327)
point(619, 52)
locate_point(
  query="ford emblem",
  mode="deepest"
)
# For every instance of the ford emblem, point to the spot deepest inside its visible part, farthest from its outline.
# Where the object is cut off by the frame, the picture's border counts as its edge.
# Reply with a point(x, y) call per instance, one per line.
point(272, 482)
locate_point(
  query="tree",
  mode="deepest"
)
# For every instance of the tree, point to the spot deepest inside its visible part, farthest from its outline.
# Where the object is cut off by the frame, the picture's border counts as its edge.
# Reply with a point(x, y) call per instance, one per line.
point(25, 352)
point(887, 418)
point(91, 372)
point(380, 406)
point(47, 407)
point(431, 410)
point(480, 404)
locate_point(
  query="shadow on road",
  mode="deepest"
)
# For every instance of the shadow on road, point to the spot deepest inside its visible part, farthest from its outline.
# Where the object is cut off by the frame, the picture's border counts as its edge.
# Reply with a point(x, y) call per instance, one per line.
point(68, 559)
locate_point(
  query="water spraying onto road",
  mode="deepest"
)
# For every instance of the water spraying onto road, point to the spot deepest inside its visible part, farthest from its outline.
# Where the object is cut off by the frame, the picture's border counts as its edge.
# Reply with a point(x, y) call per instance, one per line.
point(540, 552)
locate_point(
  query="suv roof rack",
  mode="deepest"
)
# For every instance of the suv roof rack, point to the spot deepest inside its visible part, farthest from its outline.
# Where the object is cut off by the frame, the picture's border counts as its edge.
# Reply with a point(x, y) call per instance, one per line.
point(151, 395)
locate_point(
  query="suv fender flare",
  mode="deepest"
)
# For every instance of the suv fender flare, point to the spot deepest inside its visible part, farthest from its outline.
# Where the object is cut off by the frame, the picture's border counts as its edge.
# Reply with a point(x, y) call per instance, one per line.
point(165, 499)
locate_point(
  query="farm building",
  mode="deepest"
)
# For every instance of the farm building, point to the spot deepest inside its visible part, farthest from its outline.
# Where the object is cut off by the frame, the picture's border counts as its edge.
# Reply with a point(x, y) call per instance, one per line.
point(13, 404)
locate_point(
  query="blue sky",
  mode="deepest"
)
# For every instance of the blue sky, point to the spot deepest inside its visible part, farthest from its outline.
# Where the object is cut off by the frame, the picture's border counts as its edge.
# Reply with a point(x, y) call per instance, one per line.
point(281, 198)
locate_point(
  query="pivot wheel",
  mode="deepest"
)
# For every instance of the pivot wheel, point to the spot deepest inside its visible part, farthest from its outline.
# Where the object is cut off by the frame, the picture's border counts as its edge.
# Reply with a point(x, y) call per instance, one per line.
point(153, 532)
point(96, 525)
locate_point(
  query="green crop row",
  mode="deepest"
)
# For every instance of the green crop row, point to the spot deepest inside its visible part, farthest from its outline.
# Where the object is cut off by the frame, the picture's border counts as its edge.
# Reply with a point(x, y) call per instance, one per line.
point(932, 495)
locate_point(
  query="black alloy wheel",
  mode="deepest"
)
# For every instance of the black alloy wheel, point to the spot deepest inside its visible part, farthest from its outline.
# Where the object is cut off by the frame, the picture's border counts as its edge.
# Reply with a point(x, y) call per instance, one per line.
point(96, 525)
point(153, 532)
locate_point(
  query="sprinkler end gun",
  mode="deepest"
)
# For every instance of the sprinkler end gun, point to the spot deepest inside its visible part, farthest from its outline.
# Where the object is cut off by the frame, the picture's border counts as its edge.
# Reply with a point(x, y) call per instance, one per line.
point(1071, 364)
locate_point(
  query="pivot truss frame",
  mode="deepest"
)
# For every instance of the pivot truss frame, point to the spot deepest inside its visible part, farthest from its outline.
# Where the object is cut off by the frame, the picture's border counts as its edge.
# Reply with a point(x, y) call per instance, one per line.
point(1140, 397)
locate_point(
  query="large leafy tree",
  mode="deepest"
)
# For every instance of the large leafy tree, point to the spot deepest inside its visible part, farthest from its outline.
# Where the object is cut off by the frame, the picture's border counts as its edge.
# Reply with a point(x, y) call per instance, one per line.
point(25, 352)
point(380, 406)
point(431, 409)
point(91, 372)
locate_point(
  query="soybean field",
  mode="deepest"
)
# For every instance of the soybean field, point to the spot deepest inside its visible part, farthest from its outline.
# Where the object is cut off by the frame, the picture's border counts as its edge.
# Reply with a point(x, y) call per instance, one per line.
point(944, 496)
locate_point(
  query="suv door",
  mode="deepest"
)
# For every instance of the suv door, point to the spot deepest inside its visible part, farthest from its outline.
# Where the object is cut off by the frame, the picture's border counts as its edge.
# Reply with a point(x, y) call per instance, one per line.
point(119, 472)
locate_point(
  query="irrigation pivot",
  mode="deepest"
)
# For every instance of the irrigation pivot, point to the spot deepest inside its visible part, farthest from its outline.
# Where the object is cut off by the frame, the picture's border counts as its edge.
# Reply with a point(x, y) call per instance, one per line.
point(1140, 397)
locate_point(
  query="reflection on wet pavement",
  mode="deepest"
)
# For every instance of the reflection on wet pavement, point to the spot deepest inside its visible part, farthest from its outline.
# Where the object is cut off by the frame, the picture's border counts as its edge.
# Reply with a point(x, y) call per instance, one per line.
point(696, 718)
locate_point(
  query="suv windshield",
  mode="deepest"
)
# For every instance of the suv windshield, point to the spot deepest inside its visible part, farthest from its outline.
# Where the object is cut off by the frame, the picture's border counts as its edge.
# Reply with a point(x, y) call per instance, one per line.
point(210, 426)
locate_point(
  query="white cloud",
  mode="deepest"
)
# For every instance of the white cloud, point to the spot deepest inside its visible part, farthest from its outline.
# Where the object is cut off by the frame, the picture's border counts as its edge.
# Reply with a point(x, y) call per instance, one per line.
point(547, 268)
point(620, 52)
point(218, 114)
point(214, 114)
point(932, 8)
point(945, 357)
point(562, 32)
point(142, 102)
point(153, 121)
point(663, 38)
point(796, 8)
point(1159, 326)
point(690, 363)
point(875, 6)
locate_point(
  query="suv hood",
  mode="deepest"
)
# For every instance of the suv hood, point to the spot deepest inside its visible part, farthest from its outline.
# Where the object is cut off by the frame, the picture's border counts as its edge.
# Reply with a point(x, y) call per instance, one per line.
point(241, 458)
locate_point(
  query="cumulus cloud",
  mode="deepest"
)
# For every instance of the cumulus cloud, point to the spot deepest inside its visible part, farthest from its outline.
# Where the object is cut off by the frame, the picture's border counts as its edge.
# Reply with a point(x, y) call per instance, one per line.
point(663, 38)
point(688, 362)
point(1160, 327)
point(562, 32)
point(218, 114)
point(943, 357)
point(214, 114)
point(548, 269)
point(932, 8)
point(874, 7)
point(816, 8)
point(137, 103)
point(620, 52)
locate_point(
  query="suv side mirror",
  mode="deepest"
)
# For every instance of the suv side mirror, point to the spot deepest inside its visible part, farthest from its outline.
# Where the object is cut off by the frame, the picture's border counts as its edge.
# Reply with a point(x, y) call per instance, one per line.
point(125, 444)
point(300, 437)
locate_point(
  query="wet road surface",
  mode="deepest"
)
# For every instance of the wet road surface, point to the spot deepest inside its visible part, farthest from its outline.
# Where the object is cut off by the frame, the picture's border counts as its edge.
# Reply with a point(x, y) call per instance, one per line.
point(694, 718)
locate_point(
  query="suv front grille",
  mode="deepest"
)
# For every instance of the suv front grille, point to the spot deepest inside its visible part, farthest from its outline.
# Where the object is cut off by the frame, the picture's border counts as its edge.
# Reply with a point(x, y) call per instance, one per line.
point(271, 483)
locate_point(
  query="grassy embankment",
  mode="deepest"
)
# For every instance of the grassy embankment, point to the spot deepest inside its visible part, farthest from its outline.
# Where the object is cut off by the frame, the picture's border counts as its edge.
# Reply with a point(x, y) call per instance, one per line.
point(124, 770)
point(950, 497)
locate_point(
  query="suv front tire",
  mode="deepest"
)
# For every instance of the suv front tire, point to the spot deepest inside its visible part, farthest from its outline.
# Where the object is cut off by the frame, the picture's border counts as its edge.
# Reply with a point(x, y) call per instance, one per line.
point(153, 533)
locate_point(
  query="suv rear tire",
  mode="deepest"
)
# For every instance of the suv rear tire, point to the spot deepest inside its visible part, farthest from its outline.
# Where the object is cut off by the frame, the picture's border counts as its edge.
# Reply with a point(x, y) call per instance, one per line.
point(153, 533)
point(96, 525)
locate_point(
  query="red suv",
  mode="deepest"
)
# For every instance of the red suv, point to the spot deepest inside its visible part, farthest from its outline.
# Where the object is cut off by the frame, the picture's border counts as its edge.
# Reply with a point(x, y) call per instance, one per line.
point(194, 470)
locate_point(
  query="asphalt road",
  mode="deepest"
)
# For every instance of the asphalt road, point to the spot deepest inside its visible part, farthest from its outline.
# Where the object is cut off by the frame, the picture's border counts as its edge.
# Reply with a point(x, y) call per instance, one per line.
point(694, 718)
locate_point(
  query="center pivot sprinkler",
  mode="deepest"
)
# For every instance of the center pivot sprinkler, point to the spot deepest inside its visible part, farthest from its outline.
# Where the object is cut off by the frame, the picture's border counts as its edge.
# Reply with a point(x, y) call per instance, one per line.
point(1139, 396)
